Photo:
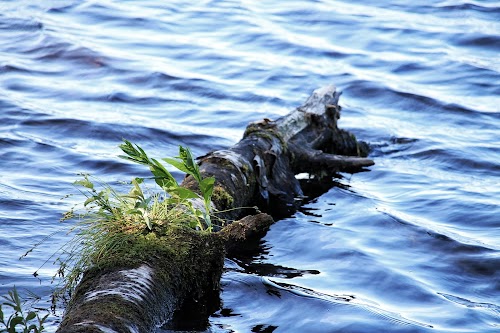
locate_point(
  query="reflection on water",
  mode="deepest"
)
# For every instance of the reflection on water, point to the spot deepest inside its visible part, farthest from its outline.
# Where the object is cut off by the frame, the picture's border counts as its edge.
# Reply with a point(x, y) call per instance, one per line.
point(410, 246)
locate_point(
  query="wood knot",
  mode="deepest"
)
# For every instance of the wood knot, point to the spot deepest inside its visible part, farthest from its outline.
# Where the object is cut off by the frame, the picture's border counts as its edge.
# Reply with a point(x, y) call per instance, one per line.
point(332, 111)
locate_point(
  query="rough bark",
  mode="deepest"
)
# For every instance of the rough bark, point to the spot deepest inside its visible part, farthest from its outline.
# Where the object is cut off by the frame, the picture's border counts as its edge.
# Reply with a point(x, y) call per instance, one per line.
point(173, 287)
point(261, 168)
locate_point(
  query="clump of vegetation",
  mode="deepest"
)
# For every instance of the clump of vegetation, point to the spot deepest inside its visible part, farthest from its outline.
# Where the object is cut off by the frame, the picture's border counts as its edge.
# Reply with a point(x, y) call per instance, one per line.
point(19, 320)
point(110, 222)
point(185, 163)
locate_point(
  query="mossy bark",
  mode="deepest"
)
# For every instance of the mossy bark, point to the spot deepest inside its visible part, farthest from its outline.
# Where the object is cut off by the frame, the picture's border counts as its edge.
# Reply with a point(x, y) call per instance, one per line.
point(175, 279)
point(144, 289)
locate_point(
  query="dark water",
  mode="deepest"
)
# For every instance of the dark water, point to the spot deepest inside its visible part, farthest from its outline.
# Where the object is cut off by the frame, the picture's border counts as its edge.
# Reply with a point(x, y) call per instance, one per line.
point(411, 246)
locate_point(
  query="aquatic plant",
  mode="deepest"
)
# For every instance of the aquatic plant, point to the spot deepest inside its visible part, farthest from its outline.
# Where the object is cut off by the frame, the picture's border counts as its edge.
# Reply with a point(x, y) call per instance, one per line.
point(111, 223)
point(185, 163)
point(20, 319)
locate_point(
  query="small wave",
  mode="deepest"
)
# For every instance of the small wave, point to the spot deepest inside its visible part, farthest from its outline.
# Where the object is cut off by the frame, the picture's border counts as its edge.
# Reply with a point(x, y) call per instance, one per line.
point(19, 24)
point(448, 159)
point(467, 303)
point(479, 40)
point(448, 241)
point(346, 299)
point(54, 50)
point(472, 6)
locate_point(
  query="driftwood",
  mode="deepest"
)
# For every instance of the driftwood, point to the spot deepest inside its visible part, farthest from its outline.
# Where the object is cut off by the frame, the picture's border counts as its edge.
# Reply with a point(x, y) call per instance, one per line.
point(172, 288)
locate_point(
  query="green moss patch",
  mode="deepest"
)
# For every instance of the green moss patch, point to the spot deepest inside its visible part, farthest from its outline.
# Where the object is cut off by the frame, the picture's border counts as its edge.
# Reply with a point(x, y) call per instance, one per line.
point(186, 268)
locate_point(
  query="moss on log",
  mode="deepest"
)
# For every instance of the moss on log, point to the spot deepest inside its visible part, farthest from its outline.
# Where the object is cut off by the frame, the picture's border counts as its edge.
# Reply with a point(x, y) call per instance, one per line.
point(144, 288)
point(174, 279)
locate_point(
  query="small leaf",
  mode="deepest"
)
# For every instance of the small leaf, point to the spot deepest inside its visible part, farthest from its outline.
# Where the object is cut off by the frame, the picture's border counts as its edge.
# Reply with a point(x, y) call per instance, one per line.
point(44, 318)
point(148, 222)
point(183, 193)
point(14, 322)
point(136, 191)
point(179, 165)
point(142, 152)
point(187, 157)
point(134, 211)
point(1, 313)
point(131, 159)
point(193, 224)
point(198, 213)
point(31, 315)
point(13, 306)
point(162, 177)
point(104, 194)
point(85, 183)
point(207, 188)
point(143, 204)
point(89, 200)
point(14, 296)
point(135, 153)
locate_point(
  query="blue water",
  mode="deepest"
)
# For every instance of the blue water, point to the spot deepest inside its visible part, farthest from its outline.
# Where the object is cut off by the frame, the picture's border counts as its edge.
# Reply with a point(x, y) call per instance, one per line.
point(413, 245)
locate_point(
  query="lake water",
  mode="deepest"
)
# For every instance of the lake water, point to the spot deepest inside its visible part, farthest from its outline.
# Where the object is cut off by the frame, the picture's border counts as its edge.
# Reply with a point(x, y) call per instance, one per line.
point(413, 245)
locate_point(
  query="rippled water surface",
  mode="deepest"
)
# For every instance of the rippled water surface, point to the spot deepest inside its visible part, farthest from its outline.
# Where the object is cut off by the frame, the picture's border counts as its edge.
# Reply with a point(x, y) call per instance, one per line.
point(410, 246)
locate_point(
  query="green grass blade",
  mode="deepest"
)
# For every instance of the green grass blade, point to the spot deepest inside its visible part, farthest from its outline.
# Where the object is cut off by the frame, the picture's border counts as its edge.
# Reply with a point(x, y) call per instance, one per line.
point(207, 188)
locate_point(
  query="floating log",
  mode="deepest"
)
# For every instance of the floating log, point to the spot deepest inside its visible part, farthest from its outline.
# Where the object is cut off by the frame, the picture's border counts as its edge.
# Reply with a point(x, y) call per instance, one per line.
point(174, 279)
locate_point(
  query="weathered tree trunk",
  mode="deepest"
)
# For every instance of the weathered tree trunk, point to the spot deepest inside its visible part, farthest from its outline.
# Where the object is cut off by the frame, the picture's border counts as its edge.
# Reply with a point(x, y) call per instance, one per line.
point(261, 168)
point(183, 285)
